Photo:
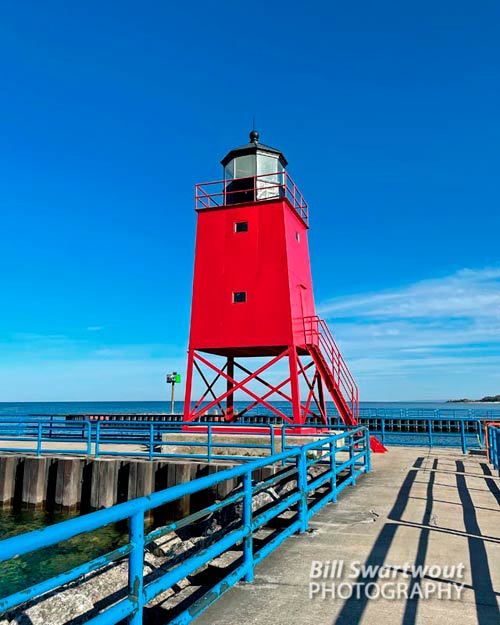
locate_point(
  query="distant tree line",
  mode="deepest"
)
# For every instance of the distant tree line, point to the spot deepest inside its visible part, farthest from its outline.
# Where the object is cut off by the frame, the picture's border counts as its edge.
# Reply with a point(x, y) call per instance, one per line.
point(488, 398)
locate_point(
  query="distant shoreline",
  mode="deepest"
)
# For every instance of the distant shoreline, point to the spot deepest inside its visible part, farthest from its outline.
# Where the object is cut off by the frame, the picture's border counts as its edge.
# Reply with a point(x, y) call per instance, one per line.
point(495, 399)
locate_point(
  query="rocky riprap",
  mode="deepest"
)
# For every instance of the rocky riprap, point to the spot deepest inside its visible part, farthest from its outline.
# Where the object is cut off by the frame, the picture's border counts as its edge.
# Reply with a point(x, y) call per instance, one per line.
point(83, 599)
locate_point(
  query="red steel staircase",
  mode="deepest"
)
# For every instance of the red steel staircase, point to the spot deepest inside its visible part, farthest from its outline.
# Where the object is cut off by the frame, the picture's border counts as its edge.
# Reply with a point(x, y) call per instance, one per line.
point(332, 368)
point(335, 373)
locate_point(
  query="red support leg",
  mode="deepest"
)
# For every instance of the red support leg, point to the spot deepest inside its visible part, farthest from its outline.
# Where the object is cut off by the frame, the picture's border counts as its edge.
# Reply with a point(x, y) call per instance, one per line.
point(294, 386)
point(230, 397)
point(321, 403)
point(189, 385)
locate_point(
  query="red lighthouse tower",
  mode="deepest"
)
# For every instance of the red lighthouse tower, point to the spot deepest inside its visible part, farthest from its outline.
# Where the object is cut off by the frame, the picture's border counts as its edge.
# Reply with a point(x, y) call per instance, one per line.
point(254, 331)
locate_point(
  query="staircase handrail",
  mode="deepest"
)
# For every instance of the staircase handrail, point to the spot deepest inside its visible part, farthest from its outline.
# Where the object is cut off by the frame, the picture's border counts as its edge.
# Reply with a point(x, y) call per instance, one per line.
point(316, 327)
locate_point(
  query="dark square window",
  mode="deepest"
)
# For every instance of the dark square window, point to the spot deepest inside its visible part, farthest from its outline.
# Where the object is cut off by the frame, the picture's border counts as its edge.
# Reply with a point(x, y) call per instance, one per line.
point(239, 297)
point(241, 226)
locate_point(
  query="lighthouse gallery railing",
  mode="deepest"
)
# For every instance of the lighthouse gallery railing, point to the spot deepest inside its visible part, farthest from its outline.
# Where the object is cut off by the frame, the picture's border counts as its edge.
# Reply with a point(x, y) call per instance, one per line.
point(265, 187)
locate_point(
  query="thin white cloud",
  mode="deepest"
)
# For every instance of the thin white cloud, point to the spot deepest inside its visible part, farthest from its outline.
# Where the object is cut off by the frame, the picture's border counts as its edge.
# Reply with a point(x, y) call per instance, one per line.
point(465, 293)
point(440, 327)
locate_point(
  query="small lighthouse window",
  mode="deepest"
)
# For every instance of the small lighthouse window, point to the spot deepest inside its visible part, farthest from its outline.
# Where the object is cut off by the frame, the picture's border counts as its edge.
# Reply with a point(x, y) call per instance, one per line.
point(241, 226)
point(239, 297)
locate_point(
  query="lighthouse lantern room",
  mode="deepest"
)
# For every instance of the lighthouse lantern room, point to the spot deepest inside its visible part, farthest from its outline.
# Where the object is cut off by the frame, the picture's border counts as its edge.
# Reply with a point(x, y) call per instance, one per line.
point(254, 331)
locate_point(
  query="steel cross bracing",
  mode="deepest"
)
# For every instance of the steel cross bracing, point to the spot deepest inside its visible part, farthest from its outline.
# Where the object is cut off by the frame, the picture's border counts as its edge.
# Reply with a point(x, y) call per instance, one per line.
point(314, 385)
point(325, 369)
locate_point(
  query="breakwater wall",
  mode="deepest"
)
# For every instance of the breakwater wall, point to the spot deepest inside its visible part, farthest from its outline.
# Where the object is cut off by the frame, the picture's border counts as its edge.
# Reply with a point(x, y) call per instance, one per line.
point(72, 484)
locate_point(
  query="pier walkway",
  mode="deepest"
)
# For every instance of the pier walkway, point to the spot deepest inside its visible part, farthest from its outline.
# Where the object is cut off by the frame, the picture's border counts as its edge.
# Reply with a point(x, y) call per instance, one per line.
point(416, 507)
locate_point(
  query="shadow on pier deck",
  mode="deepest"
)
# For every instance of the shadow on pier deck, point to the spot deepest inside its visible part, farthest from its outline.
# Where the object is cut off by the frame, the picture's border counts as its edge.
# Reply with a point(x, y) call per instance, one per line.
point(416, 507)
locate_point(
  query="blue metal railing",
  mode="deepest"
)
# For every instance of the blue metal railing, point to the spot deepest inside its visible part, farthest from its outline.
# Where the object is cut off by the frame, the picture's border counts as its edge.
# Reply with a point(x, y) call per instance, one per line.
point(35, 433)
point(435, 431)
point(147, 439)
point(410, 413)
point(157, 440)
point(343, 458)
point(154, 436)
point(493, 434)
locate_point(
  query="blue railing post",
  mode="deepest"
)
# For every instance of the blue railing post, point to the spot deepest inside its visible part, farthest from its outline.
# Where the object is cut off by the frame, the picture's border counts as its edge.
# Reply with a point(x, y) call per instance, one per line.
point(350, 438)
point(368, 460)
point(273, 443)
point(283, 443)
point(89, 437)
point(333, 469)
point(209, 442)
point(492, 444)
point(480, 433)
point(247, 523)
point(429, 424)
point(495, 446)
point(151, 441)
point(497, 449)
point(136, 565)
point(462, 436)
point(39, 439)
point(97, 438)
point(302, 488)
point(382, 428)
point(490, 433)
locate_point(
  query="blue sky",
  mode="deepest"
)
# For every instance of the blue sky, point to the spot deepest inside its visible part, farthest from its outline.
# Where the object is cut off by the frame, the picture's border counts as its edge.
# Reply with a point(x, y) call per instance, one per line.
point(110, 112)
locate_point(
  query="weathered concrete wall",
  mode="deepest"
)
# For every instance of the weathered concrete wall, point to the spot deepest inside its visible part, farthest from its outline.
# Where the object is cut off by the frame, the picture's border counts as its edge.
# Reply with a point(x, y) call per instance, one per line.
point(8, 466)
point(63, 483)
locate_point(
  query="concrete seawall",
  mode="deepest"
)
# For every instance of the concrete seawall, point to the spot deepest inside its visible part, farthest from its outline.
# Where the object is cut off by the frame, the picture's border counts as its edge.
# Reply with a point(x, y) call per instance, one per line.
point(70, 484)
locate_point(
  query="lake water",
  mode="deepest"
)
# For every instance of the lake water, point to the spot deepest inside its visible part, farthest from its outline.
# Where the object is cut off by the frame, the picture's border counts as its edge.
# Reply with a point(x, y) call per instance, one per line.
point(158, 407)
point(34, 567)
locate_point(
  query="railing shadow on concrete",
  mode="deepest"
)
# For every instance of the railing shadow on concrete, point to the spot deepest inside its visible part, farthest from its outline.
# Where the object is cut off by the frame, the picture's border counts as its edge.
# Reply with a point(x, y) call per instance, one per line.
point(338, 460)
point(481, 579)
point(491, 482)
point(354, 608)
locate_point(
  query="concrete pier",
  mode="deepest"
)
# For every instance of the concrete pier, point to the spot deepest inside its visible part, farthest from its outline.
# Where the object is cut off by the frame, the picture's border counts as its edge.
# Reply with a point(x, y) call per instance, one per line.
point(77, 483)
point(416, 507)
point(8, 466)
point(68, 484)
point(35, 484)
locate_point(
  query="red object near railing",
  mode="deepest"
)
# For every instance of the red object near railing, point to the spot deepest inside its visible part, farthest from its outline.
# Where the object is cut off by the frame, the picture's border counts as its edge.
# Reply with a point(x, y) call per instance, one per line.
point(320, 342)
point(264, 187)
